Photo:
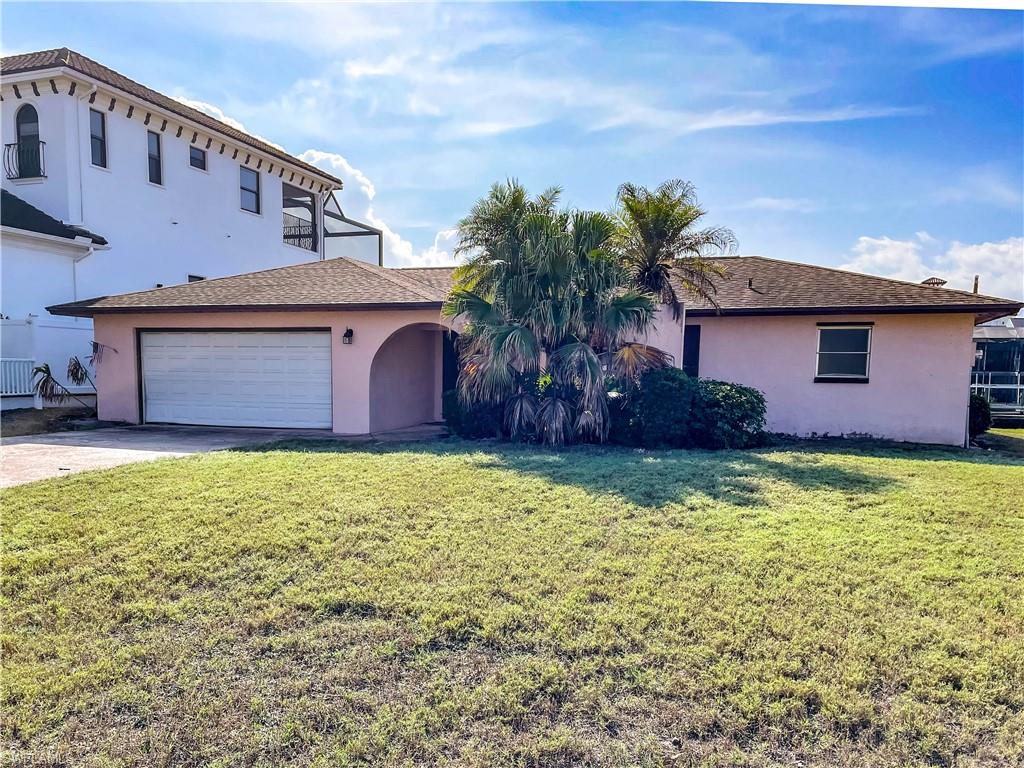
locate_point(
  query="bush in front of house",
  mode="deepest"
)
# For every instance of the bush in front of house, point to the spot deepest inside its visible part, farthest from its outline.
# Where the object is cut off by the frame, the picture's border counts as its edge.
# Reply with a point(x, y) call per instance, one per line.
point(473, 422)
point(672, 410)
point(728, 415)
point(979, 416)
point(664, 409)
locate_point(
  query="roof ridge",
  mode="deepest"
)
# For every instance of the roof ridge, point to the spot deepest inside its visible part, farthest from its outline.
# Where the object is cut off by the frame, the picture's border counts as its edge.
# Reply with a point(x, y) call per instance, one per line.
point(404, 282)
point(877, 277)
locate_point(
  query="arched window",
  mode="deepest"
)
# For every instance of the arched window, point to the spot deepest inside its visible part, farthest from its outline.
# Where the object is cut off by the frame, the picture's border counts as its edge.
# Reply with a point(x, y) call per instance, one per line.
point(28, 124)
point(30, 160)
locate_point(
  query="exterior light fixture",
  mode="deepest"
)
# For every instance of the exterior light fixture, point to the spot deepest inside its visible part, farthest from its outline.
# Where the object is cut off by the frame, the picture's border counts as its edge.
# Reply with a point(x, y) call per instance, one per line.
point(346, 338)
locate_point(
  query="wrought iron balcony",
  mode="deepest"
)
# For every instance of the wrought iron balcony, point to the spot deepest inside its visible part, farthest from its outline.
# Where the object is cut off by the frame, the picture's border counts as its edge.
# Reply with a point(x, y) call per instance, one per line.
point(25, 160)
point(299, 232)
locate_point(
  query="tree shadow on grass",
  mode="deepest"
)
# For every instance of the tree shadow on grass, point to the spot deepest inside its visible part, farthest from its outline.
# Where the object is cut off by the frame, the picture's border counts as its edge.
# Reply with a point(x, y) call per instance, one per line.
point(644, 478)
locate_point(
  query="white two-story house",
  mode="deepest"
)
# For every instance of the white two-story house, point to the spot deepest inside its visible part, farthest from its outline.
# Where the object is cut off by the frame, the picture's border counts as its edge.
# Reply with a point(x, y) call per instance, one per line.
point(110, 186)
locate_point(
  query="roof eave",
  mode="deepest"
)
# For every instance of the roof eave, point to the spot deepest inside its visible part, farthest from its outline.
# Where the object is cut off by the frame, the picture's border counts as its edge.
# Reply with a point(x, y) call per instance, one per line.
point(75, 310)
point(994, 310)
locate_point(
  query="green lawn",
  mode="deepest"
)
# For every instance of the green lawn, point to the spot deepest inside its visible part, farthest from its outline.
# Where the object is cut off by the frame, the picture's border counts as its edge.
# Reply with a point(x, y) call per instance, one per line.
point(462, 604)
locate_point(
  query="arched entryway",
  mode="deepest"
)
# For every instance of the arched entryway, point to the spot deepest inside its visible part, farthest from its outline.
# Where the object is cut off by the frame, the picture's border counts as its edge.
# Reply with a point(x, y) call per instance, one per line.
point(409, 373)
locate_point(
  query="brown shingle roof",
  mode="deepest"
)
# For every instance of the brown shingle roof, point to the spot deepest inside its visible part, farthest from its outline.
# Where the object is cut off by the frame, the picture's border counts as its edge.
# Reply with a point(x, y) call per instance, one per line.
point(64, 57)
point(755, 286)
point(763, 286)
point(438, 278)
point(759, 285)
point(332, 284)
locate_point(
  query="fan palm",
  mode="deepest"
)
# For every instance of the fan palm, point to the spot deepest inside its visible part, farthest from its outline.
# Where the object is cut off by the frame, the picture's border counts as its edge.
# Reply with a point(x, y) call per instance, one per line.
point(549, 315)
point(661, 248)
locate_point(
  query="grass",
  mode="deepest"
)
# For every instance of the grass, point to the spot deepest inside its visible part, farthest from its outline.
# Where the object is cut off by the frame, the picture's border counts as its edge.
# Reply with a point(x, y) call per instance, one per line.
point(463, 604)
point(1009, 440)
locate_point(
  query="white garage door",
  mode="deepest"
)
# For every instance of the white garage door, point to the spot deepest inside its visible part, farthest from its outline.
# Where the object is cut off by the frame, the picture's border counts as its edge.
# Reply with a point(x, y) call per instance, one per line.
point(237, 379)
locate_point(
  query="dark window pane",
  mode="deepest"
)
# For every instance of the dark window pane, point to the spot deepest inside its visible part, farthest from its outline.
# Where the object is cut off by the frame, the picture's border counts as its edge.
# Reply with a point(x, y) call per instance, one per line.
point(839, 364)
point(96, 127)
point(98, 138)
point(843, 340)
point(99, 152)
point(27, 123)
point(249, 181)
point(197, 158)
point(155, 171)
point(250, 202)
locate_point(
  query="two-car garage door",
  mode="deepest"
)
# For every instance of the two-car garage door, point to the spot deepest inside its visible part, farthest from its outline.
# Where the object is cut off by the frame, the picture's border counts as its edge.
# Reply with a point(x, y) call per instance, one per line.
point(237, 378)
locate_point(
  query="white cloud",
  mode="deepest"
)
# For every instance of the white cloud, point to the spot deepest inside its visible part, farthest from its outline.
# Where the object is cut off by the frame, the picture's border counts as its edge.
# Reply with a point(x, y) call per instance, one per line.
point(985, 185)
point(476, 72)
point(1000, 265)
point(218, 114)
point(357, 201)
point(779, 205)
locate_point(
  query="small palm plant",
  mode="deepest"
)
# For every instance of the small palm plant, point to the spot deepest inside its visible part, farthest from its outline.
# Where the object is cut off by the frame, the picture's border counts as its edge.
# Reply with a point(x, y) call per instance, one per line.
point(549, 315)
point(48, 387)
point(660, 246)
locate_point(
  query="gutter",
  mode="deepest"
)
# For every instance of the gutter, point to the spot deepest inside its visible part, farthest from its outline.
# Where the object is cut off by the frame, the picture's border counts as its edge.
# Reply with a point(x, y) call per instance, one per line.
point(80, 242)
point(70, 310)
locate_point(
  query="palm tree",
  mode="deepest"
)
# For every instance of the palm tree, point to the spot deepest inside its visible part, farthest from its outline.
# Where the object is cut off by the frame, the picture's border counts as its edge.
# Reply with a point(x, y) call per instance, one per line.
point(47, 387)
point(660, 247)
point(548, 314)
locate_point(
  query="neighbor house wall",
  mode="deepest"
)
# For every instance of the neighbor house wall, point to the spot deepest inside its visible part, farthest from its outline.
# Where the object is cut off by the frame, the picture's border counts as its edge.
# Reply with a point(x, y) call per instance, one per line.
point(117, 370)
point(35, 272)
point(918, 384)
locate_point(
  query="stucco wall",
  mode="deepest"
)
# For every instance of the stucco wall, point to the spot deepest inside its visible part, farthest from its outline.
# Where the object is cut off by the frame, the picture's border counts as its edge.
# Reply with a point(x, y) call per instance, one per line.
point(919, 378)
point(403, 380)
point(918, 388)
point(117, 372)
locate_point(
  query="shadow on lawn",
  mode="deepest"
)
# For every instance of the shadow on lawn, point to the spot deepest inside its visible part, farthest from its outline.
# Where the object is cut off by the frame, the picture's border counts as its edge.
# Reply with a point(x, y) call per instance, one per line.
point(645, 478)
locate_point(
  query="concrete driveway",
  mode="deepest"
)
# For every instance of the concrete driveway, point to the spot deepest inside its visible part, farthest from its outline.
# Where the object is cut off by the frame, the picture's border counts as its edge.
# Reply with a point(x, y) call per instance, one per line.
point(37, 457)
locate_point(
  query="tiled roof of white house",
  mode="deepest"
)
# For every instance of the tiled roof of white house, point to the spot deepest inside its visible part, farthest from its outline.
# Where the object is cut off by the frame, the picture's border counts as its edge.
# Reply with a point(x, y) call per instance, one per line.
point(39, 61)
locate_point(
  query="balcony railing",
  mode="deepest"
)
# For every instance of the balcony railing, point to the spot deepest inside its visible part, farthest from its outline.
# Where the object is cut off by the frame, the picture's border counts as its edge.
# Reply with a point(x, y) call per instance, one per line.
point(299, 232)
point(25, 160)
point(1004, 391)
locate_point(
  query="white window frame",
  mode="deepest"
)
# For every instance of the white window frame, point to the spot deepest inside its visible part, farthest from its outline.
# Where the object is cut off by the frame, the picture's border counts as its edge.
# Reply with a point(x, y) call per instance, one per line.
point(818, 376)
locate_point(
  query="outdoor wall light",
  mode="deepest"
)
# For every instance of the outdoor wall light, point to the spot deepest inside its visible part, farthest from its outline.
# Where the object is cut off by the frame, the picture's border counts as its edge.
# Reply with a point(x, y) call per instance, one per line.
point(346, 337)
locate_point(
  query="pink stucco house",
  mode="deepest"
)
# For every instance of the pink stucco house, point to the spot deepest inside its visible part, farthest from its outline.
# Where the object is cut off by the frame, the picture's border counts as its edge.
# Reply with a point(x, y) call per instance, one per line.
point(356, 348)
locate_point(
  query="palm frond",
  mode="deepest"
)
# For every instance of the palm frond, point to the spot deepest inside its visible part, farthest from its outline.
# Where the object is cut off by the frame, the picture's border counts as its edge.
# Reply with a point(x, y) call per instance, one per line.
point(632, 359)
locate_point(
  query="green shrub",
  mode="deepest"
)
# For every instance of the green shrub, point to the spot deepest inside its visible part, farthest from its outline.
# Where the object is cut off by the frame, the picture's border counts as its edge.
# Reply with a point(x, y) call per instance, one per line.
point(664, 408)
point(979, 416)
point(623, 419)
point(727, 416)
point(473, 422)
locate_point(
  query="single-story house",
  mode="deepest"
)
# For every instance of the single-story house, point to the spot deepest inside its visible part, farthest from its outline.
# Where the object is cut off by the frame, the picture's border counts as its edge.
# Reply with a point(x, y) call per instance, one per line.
point(357, 348)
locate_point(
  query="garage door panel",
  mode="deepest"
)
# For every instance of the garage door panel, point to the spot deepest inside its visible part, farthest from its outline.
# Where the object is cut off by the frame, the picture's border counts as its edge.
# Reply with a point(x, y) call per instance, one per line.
point(235, 378)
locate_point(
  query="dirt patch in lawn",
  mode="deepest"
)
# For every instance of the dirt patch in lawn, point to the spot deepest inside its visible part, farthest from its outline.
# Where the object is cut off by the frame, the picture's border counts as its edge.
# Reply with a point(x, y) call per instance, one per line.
point(36, 421)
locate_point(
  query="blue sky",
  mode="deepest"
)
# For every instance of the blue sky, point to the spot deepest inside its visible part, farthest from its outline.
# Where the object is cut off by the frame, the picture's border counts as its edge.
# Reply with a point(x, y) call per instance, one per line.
point(883, 139)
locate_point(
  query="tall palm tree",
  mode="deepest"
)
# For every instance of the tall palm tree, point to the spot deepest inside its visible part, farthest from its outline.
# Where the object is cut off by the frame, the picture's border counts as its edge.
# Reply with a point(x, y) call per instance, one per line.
point(660, 246)
point(548, 315)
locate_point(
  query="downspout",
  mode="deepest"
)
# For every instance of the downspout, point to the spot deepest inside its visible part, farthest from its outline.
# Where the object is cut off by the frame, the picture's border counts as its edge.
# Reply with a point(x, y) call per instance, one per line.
point(74, 274)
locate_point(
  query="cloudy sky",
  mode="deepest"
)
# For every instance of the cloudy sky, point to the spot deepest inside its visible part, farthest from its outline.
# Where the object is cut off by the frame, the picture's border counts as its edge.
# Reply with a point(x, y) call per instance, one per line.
point(886, 140)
